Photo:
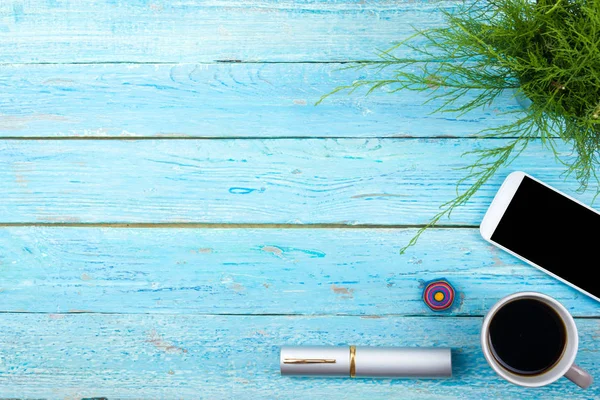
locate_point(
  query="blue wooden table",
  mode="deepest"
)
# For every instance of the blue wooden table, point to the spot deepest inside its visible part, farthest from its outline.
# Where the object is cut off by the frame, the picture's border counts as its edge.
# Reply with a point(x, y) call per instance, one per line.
point(174, 207)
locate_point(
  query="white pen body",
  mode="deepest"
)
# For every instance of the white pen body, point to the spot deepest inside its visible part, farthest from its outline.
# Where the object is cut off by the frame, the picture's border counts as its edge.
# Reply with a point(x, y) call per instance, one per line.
point(366, 362)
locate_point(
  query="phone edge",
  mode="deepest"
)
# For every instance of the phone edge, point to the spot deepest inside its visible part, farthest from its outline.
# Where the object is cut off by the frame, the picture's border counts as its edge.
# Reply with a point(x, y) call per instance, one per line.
point(500, 203)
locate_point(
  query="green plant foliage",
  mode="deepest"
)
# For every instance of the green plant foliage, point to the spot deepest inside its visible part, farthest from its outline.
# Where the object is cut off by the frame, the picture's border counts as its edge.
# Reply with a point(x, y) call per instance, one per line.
point(548, 50)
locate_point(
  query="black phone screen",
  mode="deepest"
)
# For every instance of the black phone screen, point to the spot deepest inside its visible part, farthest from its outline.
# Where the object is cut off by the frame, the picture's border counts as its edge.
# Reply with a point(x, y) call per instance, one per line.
point(554, 232)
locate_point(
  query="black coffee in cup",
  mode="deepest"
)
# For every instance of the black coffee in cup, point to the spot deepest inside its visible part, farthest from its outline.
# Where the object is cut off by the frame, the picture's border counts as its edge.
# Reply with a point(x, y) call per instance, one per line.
point(527, 337)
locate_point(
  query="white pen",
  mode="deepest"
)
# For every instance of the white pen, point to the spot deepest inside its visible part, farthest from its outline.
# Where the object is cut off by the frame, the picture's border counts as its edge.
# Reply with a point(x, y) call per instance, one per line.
point(366, 362)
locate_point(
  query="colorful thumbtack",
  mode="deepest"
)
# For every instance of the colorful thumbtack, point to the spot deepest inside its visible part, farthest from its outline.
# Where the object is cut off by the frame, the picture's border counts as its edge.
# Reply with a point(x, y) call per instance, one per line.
point(438, 295)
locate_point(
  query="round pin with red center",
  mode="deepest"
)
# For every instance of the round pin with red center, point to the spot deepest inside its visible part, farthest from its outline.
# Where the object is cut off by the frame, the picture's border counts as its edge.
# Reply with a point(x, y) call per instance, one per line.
point(438, 295)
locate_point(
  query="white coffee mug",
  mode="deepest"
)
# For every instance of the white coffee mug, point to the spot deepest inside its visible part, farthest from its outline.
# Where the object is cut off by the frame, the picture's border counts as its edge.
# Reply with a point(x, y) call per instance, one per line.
point(563, 367)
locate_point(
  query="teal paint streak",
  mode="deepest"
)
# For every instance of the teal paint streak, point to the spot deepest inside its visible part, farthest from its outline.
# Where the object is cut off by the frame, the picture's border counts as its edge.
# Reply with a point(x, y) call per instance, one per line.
point(17, 12)
point(156, 356)
point(238, 190)
point(351, 181)
point(241, 100)
point(264, 271)
point(205, 31)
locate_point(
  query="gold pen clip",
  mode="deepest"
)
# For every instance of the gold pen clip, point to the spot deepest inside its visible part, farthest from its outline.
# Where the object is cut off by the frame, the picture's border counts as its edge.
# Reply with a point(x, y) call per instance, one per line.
point(309, 360)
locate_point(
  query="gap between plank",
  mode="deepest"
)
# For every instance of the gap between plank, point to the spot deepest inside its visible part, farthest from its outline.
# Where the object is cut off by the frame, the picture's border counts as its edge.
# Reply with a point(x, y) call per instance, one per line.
point(134, 138)
point(271, 315)
point(197, 225)
point(213, 62)
point(364, 316)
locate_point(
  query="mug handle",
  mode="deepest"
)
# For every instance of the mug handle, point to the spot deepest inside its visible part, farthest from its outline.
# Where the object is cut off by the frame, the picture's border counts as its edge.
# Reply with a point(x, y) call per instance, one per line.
point(579, 376)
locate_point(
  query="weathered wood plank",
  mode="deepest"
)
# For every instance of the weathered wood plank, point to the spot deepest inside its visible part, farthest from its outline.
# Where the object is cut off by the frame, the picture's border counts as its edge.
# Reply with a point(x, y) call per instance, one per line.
point(218, 100)
point(350, 181)
point(69, 31)
point(163, 356)
point(258, 271)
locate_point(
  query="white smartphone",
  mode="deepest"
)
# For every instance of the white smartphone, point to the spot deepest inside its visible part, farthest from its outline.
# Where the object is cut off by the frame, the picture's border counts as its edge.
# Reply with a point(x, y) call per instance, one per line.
point(547, 229)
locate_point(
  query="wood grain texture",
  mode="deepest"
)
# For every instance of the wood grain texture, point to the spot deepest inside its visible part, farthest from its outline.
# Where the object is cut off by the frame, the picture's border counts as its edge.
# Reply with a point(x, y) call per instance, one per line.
point(70, 31)
point(165, 356)
point(258, 271)
point(177, 311)
point(219, 100)
point(350, 181)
